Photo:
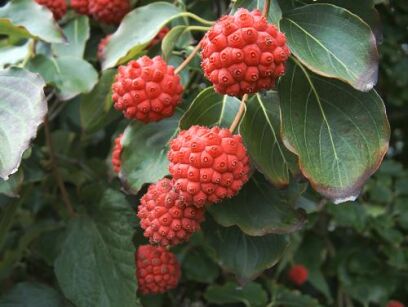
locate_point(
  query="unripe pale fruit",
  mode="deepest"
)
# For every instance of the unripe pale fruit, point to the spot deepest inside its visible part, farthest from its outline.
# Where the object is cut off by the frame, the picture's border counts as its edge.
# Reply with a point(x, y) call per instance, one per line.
point(157, 269)
point(81, 6)
point(102, 46)
point(243, 53)
point(116, 152)
point(57, 7)
point(208, 164)
point(109, 11)
point(298, 274)
point(147, 89)
point(165, 218)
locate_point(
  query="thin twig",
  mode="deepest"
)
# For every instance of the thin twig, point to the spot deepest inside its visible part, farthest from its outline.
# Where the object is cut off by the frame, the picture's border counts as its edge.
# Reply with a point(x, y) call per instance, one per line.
point(267, 5)
point(58, 178)
point(240, 112)
point(188, 59)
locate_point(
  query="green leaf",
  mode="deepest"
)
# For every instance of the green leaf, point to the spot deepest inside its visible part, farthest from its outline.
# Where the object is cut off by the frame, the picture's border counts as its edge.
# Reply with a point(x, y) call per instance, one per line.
point(96, 265)
point(144, 155)
point(96, 107)
point(252, 294)
point(33, 295)
point(77, 33)
point(197, 266)
point(260, 130)
point(12, 186)
point(22, 110)
point(282, 296)
point(135, 32)
point(170, 40)
point(317, 35)
point(339, 134)
point(71, 76)
point(13, 54)
point(274, 210)
point(210, 109)
point(274, 14)
point(243, 255)
point(26, 18)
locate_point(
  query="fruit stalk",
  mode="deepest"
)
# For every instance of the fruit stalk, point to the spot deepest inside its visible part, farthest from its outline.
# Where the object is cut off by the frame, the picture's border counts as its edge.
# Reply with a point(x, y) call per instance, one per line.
point(187, 60)
point(267, 5)
point(240, 113)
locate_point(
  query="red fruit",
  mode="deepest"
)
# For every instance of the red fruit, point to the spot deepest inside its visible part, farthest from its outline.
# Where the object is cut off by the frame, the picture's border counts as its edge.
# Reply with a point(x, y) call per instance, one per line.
point(81, 6)
point(394, 303)
point(157, 269)
point(147, 89)
point(208, 164)
point(298, 274)
point(165, 217)
point(116, 152)
point(243, 53)
point(109, 11)
point(101, 47)
point(157, 39)
point(57, 7)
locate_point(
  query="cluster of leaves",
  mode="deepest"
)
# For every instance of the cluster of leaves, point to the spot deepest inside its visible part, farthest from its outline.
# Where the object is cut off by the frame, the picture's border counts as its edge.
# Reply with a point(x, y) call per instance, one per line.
point(327, 125)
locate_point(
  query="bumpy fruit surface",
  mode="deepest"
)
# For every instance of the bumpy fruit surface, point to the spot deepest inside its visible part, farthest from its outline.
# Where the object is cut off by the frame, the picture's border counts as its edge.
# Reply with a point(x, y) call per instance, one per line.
point(109, 11)
point(81, 6)
point(208, 164)
point(243, 53)
point(157, 269)
point(165, 217)
point(298, 274)
point(116, 152)
point(157, 39)
point(395, 303)
point(57, 7)
point(147, 89)
point(102, 46)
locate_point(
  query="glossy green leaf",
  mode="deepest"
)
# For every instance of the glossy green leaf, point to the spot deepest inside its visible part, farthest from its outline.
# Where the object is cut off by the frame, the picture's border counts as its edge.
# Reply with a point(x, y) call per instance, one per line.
point(170, 40)
point(13, 54)
point(135, 32)
point(144, 155)
point(339, 134)
point(260, 130)
point(77, 33)
point(33, 295)
point(245, 256)
point(282, 296)
point(274, 14)
point(199, 267)
point(251, 294)
point(317, 35)
point(274, 210)
point(26, 18)
point(22, 110)
point(96, 265)
point(210, 109)
point(96, 109)
point(12, 186)
point(71, 76)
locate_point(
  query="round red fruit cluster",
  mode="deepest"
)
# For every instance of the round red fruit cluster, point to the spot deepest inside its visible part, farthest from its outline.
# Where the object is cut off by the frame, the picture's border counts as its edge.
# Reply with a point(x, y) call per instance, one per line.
point(57, 7)
point(81, 6)
point(243, 53)
point(147, 89)
point(102, 46)
point(109, 11)
point(208, 164)
point(298, 274)
point(157, 269)
point(395, 303)
point(165, 217)
point(116, 152)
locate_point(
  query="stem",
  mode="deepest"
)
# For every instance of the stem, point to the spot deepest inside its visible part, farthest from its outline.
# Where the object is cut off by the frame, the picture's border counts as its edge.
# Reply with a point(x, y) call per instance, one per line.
point(197, 18)
point(240, 112)
point(31, 52)
point(188, 59)
point(267, 5)
point(197, 28)
point(57, 176)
